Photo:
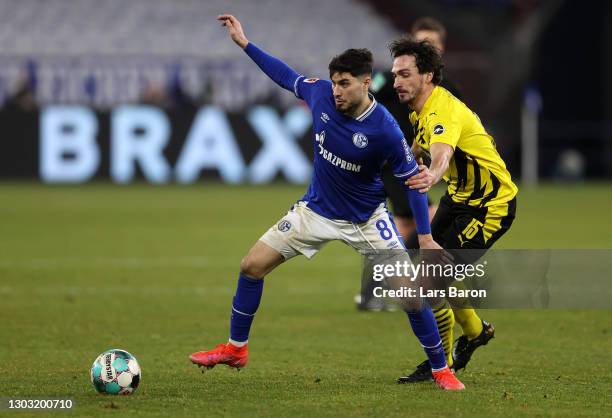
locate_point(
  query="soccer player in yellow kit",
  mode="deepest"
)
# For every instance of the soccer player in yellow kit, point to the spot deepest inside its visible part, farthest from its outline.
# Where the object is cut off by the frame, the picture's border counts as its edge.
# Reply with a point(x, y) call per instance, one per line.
point(480, 202)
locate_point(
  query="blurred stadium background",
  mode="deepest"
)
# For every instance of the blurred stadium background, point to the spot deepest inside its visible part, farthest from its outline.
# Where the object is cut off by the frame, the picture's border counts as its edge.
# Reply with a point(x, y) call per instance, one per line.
point(537, 72)
point(96, 93)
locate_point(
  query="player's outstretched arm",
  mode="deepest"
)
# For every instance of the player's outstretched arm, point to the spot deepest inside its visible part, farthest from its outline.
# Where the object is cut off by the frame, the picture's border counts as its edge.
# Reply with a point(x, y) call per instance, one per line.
point(278, 71)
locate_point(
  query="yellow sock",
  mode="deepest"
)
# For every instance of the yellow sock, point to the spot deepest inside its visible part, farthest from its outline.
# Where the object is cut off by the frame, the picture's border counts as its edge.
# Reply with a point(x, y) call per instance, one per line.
point(471, 324)
point(446, 321)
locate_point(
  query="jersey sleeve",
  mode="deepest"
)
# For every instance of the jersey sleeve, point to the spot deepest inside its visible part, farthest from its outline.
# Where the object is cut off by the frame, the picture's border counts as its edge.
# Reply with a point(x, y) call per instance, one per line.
point(443, 128)
point(399, 156)
point(308, 89)
point(277, 70)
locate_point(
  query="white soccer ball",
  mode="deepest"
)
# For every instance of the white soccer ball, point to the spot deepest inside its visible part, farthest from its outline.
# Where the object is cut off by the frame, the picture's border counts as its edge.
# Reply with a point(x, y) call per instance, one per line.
point(115, 372)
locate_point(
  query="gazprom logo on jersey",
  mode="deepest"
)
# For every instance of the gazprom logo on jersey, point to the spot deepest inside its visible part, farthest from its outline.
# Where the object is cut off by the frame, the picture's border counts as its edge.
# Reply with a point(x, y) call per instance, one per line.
point(334, 159)
point(139, 137)
point(360, 140)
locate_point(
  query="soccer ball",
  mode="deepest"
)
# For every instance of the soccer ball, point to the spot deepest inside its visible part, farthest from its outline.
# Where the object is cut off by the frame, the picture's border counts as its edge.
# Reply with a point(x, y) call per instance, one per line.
point(115, 372)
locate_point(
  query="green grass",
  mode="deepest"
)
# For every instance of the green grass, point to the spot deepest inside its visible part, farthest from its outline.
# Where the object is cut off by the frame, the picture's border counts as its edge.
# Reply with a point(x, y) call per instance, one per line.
point(152, 270)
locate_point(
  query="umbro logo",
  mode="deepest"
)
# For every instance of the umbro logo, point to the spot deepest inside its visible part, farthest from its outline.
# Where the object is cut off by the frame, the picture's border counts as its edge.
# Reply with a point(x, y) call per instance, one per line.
point(324, 117)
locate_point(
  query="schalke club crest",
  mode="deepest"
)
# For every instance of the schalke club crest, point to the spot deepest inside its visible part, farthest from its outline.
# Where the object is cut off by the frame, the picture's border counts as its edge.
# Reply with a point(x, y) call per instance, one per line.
point(284, 225)
point(360, 140)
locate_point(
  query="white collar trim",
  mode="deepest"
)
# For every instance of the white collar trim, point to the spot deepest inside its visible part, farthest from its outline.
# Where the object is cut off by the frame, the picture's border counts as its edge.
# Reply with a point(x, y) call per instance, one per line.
point(369, 110)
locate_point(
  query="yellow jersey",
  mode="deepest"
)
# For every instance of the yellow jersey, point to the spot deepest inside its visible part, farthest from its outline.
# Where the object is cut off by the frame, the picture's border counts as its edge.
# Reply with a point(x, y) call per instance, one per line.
point(477, 175)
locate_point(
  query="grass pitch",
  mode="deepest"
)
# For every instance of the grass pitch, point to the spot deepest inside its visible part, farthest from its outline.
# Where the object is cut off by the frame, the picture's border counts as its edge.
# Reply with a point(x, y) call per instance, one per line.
point(152, 270)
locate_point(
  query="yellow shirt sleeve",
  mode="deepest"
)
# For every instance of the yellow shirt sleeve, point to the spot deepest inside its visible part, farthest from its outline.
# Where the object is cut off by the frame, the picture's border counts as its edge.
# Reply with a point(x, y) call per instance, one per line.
point(443, 129)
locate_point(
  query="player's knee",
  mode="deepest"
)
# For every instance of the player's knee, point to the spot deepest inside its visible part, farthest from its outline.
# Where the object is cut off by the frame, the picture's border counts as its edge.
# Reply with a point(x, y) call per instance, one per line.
point(249, 267)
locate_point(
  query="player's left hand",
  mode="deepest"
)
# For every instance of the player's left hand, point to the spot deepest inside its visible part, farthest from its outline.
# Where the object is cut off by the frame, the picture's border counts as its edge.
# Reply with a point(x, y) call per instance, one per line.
point(422, 181)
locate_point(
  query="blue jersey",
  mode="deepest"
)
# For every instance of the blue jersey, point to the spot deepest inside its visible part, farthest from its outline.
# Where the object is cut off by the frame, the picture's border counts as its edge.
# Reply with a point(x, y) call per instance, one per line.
point(348, 152)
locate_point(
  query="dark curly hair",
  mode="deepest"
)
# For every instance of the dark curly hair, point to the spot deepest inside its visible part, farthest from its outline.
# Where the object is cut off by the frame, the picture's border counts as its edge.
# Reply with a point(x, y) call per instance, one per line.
point(354, 61)
point(427, 57)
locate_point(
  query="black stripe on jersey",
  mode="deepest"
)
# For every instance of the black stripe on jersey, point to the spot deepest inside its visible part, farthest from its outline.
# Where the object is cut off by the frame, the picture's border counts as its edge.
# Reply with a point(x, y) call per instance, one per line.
point(493, 192)
point(478, 189)
point(461, 163)
point(419, 133)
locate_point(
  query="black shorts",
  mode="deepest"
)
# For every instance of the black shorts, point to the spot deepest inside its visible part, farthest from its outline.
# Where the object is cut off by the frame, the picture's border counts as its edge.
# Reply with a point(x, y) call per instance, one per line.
point(459, 226)
point(396, 192)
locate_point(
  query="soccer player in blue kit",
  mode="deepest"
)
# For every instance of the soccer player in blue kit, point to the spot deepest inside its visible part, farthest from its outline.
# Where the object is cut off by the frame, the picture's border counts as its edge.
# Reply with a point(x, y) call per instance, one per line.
point(354, 137)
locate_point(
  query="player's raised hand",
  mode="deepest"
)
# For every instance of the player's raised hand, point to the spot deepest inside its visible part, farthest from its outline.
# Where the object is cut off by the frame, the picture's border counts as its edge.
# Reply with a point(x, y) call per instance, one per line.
point(235, 29)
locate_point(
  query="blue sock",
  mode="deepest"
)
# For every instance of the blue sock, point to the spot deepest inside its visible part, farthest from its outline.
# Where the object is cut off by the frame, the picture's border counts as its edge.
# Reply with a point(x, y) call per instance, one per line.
point(245, 304)
point(424, 326)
